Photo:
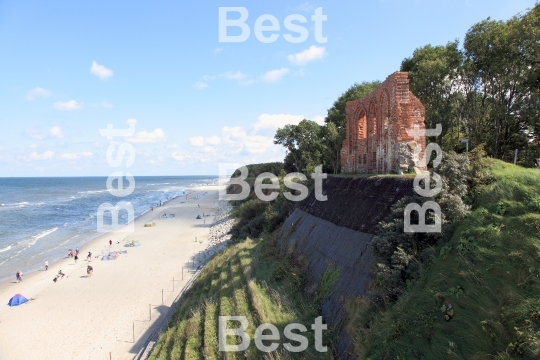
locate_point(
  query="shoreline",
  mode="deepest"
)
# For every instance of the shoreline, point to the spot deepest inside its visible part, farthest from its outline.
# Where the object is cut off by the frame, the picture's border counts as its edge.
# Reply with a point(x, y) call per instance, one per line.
point(87, 318)
point(91, 236)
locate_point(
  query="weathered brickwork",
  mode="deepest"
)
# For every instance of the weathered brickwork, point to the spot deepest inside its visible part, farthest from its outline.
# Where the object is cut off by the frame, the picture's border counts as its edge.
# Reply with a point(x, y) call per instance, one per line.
point(385, 130)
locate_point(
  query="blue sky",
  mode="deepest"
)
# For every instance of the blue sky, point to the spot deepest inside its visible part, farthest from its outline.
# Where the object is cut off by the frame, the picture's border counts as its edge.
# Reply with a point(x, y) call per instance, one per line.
point(69, 68)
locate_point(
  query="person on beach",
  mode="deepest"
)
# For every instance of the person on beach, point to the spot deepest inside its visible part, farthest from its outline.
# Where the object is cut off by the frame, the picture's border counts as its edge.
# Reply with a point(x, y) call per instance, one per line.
point(110, 242)
point(89, 270)
point(55, 278)
point(18, 276)
point(46, 265)
point(60, 273)
point(77, 251)
point(69, 253)
point(76, 258)
point(89, 257)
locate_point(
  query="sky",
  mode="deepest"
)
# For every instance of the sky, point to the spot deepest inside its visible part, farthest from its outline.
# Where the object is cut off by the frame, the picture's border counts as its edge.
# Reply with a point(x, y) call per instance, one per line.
point(195, 99)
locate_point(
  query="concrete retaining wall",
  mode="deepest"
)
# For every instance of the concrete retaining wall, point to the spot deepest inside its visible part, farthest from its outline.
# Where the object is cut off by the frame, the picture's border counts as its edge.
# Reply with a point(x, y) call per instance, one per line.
point(339, 231)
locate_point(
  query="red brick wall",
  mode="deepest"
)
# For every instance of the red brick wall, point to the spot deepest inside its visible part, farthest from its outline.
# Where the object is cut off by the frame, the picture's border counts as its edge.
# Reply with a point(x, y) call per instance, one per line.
point(377, 140)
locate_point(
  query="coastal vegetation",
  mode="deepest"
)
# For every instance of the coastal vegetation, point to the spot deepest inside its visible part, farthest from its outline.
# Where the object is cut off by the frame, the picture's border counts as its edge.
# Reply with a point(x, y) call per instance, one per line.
point(259, 279)
point(470, 291)
point(478, 296)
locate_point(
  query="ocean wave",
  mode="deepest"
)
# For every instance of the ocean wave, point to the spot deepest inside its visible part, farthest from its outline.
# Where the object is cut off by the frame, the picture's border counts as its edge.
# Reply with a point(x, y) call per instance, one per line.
point(22, 204)
point(5, 249)
point(92, 191)
point(35, 238)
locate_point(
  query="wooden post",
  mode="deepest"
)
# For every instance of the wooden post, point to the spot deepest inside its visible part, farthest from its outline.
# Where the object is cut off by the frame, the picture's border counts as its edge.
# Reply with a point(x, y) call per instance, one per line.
point(515, 157)
point(110, 356)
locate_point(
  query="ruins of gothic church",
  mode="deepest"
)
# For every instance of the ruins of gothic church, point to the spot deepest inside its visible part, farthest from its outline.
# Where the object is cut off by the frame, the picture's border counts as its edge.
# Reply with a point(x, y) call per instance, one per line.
point(385, 130)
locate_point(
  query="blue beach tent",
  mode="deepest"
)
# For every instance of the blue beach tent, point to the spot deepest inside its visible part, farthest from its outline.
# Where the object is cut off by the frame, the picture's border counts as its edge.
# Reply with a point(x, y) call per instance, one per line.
point(17, 300)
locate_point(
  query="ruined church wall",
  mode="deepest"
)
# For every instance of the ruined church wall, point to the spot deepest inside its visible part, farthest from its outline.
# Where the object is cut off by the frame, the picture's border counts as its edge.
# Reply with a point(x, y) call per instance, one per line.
point(377, 140)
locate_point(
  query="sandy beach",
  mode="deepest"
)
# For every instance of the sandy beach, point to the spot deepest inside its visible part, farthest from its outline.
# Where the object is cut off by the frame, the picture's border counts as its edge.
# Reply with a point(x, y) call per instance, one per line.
point(81, 317)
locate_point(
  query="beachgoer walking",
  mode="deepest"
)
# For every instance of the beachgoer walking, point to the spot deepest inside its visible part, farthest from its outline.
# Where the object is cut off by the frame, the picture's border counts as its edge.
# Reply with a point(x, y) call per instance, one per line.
point(69, 253)
point(76, 258)
point(46, 265)
point(89, 270)
point(18, 276)
point(89, 257)
point(76, 251)
point(110, 242)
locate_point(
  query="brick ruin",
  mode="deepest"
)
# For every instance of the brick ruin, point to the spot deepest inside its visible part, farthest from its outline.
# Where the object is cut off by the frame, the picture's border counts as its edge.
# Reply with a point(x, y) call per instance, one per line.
point(385, 130)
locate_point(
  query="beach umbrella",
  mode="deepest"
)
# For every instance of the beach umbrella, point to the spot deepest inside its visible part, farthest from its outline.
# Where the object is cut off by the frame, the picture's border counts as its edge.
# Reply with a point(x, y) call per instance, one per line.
point(17, 300)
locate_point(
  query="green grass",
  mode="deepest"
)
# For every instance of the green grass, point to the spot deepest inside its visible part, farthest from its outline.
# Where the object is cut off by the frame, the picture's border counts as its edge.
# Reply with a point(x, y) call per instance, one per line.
point(489, 272)
point(243, 280)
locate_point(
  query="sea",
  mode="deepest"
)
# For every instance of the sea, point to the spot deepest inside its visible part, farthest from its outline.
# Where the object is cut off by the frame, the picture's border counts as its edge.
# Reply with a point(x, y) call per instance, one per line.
point(42, 218)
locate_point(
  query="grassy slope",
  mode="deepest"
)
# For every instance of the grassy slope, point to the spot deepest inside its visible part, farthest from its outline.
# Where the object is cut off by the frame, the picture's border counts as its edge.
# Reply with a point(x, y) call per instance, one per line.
point(489, 272)
point(250, 279)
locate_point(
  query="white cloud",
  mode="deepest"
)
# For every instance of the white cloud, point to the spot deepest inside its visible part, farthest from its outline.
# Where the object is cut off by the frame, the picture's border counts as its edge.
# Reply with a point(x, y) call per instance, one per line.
point(131, 122)
point(104, 105)
point(197, 141)
point(37, 92)
point(235, 75)
point(275, 75)
point(56, 131)
point(33, 146)
point(267, 121)
point(178, 156)
point(101, 71)
point(243, 79)
point(76, 156)
point(312, 53)
point(305, 7)
point(209, 149)
point(158, 135)
point(319, 119)
point(47, 155)
point(200, 85)
point(217, 50)
point(213, 140)
point(200, 141)
point(68, 105)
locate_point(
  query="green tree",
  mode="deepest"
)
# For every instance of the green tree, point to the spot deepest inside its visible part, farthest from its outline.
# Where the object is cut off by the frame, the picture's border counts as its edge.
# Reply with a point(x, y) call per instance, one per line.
point(333, 141)
point(336, 114)
point(501, 56)
point(336, 133)
point(434, 74)
point(304, 143)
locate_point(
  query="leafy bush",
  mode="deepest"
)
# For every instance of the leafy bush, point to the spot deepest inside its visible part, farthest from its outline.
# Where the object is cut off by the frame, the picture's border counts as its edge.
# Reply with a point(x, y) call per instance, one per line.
point(402, 255)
